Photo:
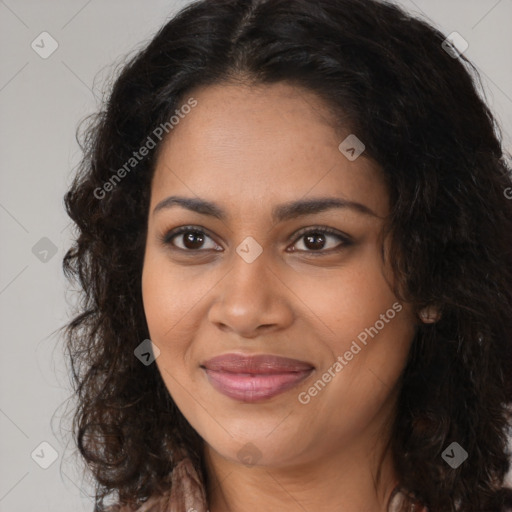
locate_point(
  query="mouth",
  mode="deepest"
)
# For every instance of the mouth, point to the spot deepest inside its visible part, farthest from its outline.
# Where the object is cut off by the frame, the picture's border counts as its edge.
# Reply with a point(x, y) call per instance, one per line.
point(255, 378)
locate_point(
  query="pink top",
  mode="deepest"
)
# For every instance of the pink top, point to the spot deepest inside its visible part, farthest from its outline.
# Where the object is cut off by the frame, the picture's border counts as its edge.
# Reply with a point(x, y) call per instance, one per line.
point(187, 494)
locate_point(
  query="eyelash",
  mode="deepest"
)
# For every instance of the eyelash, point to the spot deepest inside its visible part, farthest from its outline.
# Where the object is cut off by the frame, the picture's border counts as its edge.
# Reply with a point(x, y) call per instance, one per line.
point(166, 238)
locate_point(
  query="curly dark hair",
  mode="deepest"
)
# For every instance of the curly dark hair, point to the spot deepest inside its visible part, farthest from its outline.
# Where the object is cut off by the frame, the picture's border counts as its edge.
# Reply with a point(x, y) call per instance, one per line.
point(422, 114)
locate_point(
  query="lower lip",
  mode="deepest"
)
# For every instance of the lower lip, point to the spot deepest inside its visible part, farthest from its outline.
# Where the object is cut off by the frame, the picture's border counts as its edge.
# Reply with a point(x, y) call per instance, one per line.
point(252, 388)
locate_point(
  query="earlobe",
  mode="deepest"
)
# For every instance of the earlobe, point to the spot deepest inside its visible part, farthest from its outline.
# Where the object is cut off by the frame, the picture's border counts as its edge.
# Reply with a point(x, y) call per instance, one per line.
point(429, 315)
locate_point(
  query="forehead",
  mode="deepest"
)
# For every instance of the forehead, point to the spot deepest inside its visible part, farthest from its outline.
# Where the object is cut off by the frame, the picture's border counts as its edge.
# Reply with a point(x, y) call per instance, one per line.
point(271, 142)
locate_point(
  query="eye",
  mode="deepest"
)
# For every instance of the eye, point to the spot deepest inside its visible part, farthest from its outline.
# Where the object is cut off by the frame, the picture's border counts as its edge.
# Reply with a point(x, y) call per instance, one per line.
point(313, 240)
point(189, 238)
point(321, 239)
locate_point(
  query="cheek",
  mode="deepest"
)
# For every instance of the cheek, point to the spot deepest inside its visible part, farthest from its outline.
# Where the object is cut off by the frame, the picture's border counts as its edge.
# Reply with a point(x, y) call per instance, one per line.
point(168, 308)
point(357, 387)
point(174, 304)
point(158, 299)
point(165, 307)
point(170, 297)
point(357, 316)
point(348, 300)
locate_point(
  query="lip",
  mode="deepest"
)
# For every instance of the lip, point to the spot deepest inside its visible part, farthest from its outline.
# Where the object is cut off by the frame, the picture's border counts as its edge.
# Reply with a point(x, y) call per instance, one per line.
point(255, 364)
point(257, 377)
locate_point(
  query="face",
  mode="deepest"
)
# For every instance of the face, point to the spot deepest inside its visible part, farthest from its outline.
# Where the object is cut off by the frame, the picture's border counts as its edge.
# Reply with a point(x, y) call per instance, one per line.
point(271, 246)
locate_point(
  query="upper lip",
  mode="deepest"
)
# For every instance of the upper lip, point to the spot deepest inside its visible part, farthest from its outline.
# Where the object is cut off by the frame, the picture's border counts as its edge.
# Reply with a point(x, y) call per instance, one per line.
point(257, 364)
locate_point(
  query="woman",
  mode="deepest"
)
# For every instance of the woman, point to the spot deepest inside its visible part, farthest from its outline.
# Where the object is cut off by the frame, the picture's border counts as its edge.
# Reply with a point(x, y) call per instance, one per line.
point(295, 252)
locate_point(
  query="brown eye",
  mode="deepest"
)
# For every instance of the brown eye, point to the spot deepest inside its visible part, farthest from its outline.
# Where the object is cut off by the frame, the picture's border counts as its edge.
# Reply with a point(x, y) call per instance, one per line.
point(324, 239)
point(189, 239)
point(193, 239)
point(314, 241)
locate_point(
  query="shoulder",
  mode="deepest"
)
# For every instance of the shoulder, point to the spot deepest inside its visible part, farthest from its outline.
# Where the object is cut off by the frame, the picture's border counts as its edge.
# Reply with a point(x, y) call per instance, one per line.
point(186, 492)
point(398, 500)
point(155, 504)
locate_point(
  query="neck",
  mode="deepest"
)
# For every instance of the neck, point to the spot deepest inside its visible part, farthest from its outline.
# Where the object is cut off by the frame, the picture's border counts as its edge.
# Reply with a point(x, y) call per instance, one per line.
point(341, 481)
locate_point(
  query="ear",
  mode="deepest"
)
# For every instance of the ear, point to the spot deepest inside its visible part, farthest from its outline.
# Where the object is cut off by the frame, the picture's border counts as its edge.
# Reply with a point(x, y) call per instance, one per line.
point(430, 314)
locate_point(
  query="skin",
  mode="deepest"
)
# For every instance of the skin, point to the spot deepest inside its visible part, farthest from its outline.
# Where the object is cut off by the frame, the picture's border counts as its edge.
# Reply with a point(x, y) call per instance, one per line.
point(248, 149)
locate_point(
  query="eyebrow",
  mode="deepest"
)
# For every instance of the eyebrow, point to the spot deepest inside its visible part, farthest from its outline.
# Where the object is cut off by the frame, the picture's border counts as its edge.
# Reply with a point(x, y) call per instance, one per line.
point(280, 213)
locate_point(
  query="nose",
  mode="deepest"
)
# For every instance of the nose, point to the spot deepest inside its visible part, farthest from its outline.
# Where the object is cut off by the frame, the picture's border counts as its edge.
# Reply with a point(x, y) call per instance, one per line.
point(251, 299)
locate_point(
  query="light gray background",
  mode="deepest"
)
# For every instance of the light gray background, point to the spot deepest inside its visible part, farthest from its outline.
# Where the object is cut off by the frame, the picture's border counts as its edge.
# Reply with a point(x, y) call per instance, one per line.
point(41, 103)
